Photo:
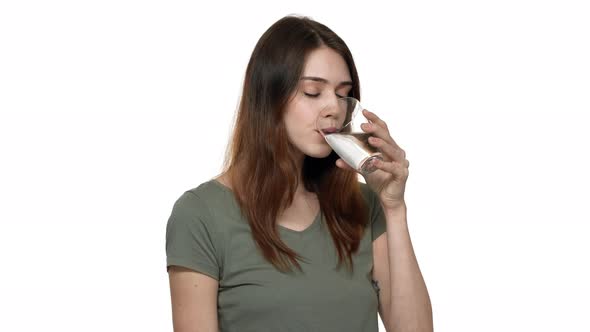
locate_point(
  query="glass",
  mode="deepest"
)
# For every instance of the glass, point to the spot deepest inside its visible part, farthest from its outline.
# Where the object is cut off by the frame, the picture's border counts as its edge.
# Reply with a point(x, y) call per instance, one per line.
point(340, 125)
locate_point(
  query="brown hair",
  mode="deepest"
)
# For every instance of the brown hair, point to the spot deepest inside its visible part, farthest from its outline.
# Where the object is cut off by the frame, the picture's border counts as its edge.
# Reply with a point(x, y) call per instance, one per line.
point(259, 161)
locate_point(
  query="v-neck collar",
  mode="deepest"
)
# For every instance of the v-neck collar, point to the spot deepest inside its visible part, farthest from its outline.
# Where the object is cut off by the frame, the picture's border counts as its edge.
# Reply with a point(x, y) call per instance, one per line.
point(311, 227)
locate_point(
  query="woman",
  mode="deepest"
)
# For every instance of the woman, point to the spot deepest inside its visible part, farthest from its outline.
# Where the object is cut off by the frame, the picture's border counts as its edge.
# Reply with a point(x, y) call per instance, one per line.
point(287, 238)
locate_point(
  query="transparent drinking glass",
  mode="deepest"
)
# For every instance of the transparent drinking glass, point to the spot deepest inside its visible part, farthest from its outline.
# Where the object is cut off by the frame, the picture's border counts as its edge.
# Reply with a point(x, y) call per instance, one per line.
point(340, 125)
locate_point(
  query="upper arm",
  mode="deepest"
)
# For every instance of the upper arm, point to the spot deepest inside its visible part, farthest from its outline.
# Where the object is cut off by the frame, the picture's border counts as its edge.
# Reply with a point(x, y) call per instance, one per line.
point(194, 254)
point(381, 276)
point(194, 300)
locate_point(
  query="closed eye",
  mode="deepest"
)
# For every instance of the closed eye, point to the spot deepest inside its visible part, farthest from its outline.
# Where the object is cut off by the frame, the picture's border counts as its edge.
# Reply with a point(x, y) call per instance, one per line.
point(317, 94)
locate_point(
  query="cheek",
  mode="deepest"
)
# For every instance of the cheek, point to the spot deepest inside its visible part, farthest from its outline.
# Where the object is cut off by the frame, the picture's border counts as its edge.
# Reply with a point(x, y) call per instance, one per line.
point(308, 109)
point(301, 116)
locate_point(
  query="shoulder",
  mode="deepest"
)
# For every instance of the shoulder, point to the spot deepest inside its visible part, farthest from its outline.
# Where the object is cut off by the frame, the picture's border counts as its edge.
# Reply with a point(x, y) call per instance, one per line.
point(208, 192)
point(203, 200)
point(210, 201)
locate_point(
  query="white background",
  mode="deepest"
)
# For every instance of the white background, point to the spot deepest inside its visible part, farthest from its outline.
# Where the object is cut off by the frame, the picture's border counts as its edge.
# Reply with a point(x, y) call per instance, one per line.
point(109, 110)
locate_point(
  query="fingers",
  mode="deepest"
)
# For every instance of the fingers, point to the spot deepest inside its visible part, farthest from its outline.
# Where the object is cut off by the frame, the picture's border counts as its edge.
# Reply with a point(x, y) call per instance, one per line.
point(382, 138)
point(393, 167)
point(391, 152)
point(377, 127)
point(374, 118)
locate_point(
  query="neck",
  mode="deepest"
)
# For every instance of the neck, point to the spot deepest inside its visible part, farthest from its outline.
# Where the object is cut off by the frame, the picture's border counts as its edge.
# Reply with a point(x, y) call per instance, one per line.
point(300, 187)
point(299, 192)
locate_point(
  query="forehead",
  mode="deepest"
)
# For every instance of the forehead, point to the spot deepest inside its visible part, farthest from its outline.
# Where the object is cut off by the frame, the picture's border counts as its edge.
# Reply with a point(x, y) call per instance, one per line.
point(326, 63)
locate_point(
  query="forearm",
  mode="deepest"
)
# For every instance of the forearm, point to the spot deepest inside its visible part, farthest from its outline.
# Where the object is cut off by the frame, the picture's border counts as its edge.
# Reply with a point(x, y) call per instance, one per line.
point(410, 304)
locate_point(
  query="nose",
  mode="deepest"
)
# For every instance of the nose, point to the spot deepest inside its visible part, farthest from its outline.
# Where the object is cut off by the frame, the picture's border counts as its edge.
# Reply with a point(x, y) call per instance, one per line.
point(333, 108)
point(332, 115)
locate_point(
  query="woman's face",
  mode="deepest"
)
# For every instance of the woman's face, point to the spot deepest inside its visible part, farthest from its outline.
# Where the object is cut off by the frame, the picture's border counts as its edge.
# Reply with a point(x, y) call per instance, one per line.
point(325, 78)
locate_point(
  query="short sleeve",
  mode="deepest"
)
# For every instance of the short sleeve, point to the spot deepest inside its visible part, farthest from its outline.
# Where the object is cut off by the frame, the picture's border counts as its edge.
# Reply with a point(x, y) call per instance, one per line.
point(190, 237)
point(378, 225)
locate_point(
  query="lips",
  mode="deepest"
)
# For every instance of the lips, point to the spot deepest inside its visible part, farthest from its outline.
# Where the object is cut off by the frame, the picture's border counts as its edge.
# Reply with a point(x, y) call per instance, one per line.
point(329, 130)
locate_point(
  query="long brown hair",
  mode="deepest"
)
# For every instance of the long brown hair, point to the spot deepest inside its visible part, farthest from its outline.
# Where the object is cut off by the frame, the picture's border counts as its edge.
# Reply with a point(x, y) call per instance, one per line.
point(259, 161)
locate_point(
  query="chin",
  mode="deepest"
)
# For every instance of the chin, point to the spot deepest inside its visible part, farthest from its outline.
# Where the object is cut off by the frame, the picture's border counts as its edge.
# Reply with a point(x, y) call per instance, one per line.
point(318, 151)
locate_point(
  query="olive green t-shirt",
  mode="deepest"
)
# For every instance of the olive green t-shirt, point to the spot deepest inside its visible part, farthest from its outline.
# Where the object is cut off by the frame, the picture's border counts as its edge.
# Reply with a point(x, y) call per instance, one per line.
point(206, 233)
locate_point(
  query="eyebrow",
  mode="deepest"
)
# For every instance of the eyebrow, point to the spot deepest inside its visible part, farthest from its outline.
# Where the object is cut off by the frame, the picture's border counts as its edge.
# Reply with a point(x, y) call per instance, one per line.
point(323, 80)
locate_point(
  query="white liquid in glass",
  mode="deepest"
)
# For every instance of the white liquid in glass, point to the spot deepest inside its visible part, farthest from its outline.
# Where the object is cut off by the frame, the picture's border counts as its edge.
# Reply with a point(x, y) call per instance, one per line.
point(354, 149)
